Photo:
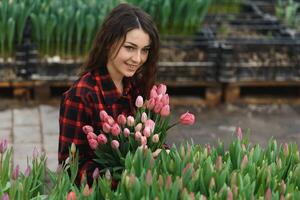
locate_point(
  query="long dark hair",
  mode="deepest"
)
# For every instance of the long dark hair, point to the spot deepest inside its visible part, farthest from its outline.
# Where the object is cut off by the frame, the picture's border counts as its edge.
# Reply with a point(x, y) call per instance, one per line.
point(121, 20)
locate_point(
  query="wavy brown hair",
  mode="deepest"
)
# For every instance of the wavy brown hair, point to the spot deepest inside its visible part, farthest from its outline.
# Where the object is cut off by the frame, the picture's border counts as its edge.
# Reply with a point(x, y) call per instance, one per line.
point(121, 20)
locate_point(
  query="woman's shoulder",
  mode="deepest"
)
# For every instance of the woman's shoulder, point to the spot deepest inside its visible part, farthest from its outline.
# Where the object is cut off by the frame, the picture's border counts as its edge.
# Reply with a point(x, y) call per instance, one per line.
point(82, 86)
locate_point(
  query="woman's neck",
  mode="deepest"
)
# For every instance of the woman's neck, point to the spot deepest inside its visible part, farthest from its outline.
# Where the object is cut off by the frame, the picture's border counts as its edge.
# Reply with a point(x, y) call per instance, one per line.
point(117, 79)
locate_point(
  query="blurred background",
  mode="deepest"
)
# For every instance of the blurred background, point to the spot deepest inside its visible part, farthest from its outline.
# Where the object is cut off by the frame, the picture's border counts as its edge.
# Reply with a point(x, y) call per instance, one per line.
point(233, 63)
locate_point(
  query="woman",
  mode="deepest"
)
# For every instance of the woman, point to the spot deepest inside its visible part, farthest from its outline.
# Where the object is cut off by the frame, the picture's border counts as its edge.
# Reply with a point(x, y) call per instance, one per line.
point(121, 65)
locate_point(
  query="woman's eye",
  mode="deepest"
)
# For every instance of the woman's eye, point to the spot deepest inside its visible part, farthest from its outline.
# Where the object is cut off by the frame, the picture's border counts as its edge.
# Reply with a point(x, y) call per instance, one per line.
point(146, 50)
point(129, 48)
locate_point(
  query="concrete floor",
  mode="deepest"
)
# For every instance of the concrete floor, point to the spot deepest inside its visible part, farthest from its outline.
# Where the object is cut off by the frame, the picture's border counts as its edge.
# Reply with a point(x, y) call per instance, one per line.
point(28, 125)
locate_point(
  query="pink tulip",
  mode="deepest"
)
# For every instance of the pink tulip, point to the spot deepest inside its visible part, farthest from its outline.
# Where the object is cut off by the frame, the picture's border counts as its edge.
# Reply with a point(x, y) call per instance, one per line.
point(137, 135)
point(115, 129)
point(27, 171)
point(147, 131)
point(86, 191)
point(155, 138)
point(71, 196)
point(165, 111)
point(3, 145)
point(144, 117)
point(151, 104)
point(130, 121)
point(121, 119)
point(102, 139)
point(87, 128)
point(16, 172)
point(5, 196)
point(143, 140)
point(110, 120)
point(115, 144)
point(138, 127)
point(35, 153)
point(187, 119)
point(139, 102)
point(153, 93)
point(165, 99)
point(91, 135)
point(239, 133)
point(158, 98)
point(157, 108)
point(126, 132)
point(106, 127)
point(161, 89)
point(103, 115)
point(150, 123)
point(93, 144)
point(96, 173)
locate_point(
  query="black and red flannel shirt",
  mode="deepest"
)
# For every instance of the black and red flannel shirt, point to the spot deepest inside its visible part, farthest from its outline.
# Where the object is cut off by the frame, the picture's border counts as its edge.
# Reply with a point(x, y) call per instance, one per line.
point(81, 105)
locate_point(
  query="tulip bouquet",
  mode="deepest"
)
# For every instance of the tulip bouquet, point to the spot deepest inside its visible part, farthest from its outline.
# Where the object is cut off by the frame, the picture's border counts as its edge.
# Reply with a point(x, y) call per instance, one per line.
point(147, 130)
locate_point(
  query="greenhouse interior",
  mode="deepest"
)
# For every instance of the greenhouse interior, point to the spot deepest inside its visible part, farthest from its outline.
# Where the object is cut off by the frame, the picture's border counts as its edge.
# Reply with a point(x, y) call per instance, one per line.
point(212, 112)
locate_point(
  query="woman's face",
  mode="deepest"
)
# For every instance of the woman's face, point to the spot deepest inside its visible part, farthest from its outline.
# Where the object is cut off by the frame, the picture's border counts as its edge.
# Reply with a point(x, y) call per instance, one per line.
point(132, 55)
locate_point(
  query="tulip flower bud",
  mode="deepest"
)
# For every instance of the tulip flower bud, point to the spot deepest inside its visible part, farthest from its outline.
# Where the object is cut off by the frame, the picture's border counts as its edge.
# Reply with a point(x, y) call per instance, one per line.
point(86, 129)
point(212, 183)
point(244, 162)
point(93, 143)
point(151, 104)
point(147, 132)
point(130, 121)
point(35, 153)
point(149, 178)
point(143, 140)
point(71, 196)
point(153, 93)
point(155, 138)
point(144, 117)
point(106, 127)
point(108, 175)
point(138, 127)
point(139, 102)
point(86, 191)
point(187, 119)
point(282, 187)
point(150, 123)
point(161, 89)
point(96, 174)
point(137, 135)
point(169, 182)
point(91, 135)
point(16, 172)
point(3, 146)
point(27, 171)
point(115, 129)
point(115, 144)
point(268, 195)
point(121, 119)
point(102, 139)
point(126, 132)
point(73, 148)
point(5, 196)
point(165, 99)
point(229, 194)
point(110, 120)
point(165, 111)
point(103, 115)
point(285, 149)
point(235, 190)
point(157, 108)
point(239, 133)
point(219, 163)
point(160, 181)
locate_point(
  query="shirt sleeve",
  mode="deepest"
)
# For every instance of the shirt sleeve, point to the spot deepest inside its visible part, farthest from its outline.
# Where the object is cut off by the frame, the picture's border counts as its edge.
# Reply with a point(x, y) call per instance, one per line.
point(74, 114)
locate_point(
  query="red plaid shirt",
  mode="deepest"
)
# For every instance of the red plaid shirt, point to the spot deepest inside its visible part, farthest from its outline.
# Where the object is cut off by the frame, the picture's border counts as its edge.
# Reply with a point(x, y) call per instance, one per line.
point(81, 105)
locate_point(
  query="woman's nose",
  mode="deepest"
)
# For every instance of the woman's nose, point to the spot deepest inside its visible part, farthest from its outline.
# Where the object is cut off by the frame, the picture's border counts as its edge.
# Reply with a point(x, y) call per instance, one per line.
point(136, 57)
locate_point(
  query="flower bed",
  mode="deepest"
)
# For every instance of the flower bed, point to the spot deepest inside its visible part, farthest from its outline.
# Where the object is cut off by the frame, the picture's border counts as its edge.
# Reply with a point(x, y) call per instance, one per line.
point(187, 172)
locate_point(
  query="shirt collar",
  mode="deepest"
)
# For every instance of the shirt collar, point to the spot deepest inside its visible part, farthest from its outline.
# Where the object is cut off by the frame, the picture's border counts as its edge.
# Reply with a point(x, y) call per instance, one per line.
point(107, 87)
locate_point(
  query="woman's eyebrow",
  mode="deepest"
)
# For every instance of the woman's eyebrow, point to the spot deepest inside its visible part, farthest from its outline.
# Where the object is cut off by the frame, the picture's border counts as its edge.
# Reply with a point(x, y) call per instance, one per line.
point(147, 46)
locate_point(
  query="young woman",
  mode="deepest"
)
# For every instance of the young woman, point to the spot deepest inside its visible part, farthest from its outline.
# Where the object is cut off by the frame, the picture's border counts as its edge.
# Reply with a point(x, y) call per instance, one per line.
point(121, 65)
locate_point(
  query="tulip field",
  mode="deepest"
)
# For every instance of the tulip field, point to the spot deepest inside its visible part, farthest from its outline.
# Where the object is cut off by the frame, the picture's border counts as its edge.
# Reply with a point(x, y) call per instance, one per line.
point(243, 171)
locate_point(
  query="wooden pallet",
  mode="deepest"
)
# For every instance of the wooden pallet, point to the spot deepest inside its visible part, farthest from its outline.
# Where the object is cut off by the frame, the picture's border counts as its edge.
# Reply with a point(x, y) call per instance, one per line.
point(263, 92)
point(201, 93)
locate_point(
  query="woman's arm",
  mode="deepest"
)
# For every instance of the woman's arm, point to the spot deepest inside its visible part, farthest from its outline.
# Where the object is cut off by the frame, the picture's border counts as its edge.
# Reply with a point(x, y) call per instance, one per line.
point(74, 114)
